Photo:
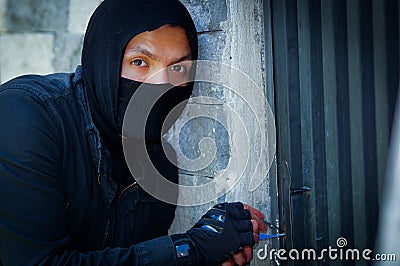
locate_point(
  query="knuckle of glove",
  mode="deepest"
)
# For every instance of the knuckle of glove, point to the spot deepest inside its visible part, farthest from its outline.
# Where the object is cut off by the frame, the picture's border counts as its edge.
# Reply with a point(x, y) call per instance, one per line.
point(237, 211)
point(222, 231)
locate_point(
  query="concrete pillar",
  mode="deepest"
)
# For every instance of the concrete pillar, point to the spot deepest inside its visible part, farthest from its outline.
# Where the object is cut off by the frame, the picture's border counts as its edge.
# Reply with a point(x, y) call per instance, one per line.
point(231, 32)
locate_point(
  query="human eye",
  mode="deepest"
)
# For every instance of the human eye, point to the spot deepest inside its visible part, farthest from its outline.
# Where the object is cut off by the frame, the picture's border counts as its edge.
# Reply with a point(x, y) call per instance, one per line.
point(139, 63)
point(178, 68)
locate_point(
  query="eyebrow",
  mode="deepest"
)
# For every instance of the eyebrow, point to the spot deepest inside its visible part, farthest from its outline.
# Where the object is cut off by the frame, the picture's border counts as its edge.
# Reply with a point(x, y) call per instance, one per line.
point(141, 50)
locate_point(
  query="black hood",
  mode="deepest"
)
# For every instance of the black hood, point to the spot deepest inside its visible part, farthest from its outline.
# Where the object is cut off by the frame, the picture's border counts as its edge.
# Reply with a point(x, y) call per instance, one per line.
point(111, 27)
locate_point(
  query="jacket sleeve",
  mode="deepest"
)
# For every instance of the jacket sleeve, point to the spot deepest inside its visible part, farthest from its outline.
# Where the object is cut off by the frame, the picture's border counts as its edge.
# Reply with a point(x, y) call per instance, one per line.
point(33, 221)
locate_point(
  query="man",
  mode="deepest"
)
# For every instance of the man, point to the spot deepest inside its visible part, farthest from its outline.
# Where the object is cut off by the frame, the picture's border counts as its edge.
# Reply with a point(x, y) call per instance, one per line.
point(66, 194)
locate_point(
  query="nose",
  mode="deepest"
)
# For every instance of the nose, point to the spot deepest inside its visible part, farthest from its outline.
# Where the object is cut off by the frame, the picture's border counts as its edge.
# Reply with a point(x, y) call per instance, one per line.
point(160, 77)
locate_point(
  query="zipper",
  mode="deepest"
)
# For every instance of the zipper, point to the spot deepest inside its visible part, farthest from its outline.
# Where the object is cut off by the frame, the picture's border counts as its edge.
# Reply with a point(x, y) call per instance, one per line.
point(106, 234)
point(107, 231)
point(125, 189)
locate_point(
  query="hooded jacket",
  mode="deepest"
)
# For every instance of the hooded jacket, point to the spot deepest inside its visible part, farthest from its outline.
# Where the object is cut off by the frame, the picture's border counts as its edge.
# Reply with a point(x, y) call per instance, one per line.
point(59, 198)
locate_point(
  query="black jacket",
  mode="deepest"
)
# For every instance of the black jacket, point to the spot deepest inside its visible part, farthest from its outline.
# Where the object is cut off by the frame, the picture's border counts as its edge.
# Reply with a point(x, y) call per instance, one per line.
point(58, 201)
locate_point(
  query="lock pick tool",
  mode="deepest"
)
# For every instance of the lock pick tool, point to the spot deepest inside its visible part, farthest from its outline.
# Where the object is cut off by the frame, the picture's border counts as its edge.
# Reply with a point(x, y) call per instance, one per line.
point(263, 236)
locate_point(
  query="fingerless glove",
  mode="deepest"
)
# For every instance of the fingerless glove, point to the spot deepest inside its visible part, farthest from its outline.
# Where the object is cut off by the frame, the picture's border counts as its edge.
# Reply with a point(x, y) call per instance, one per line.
point(220, 233)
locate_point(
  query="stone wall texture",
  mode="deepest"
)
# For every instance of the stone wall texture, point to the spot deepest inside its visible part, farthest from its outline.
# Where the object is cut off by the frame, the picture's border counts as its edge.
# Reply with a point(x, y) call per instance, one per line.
point(45, 36)
point(41, 36)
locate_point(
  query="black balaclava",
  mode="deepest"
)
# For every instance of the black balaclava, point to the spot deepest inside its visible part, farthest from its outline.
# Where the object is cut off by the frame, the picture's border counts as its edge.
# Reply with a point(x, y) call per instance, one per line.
point(111, 27)
point(156, 122)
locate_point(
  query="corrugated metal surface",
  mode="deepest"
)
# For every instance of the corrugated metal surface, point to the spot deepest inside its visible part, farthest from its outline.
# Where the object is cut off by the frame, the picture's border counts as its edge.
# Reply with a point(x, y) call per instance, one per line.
point(336, 68)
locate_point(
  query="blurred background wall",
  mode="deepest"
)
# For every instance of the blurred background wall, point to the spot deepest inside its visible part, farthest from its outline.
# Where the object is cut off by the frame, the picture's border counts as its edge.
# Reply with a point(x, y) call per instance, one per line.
point(41, 36)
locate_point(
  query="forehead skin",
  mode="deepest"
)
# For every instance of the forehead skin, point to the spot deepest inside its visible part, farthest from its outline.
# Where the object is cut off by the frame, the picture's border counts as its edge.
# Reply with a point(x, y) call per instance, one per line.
point(159, 48)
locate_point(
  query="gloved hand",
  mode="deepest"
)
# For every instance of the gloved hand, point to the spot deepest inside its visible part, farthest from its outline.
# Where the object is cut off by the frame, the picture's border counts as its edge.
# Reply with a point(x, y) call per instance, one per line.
point(217, 236)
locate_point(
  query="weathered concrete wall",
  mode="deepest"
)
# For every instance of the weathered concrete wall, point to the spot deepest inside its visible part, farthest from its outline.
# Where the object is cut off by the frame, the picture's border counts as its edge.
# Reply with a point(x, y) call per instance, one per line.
point(43, 36)
point(235, 37)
